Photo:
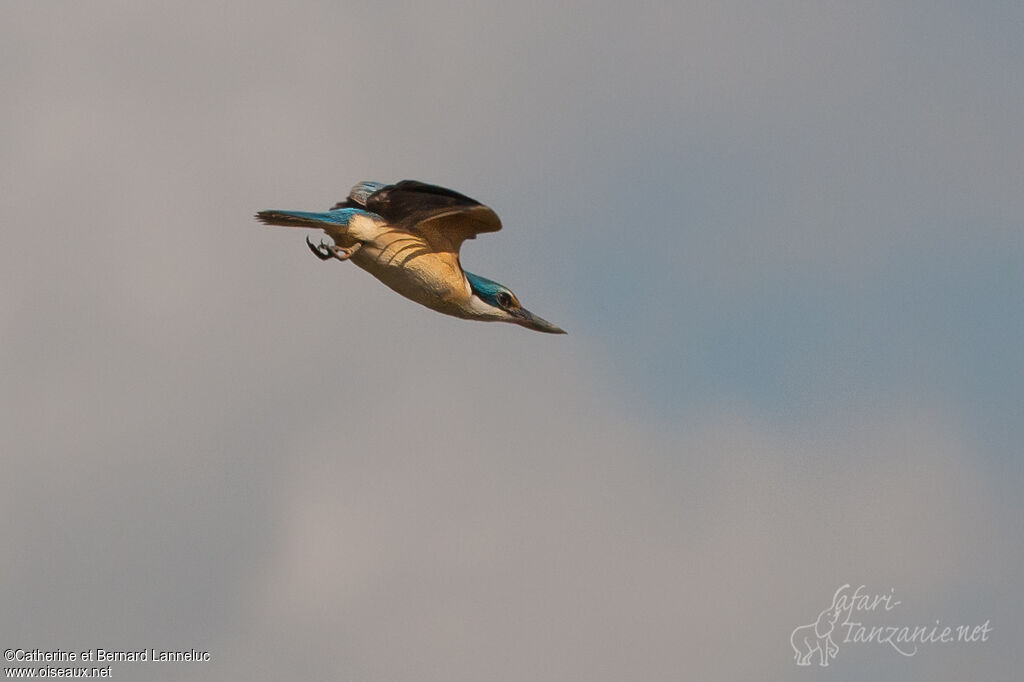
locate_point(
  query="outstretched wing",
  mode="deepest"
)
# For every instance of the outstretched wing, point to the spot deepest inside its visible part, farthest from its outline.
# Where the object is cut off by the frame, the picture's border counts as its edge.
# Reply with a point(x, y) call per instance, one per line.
point(442, 216)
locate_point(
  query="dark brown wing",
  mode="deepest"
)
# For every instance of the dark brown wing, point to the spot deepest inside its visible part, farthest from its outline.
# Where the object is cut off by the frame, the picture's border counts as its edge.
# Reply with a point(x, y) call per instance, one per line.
point(442, 216)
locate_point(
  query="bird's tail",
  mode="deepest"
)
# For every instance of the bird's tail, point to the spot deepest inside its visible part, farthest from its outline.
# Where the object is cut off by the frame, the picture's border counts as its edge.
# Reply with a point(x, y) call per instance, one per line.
point(327, 219)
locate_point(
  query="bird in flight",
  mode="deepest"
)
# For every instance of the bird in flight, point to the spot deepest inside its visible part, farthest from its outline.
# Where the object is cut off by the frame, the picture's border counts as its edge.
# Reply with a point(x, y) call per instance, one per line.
point(408, 236)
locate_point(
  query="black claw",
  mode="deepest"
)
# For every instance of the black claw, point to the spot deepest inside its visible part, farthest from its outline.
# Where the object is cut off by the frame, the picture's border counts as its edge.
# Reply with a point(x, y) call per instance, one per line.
point(320, 251)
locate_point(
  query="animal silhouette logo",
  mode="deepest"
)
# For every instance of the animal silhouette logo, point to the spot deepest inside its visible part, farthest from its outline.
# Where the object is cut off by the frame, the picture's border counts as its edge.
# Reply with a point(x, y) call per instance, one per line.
point(816, 637)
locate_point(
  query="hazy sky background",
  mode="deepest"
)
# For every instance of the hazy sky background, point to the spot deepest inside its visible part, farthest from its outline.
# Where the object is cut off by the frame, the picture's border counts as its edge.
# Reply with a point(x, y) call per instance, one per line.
point(786, 239)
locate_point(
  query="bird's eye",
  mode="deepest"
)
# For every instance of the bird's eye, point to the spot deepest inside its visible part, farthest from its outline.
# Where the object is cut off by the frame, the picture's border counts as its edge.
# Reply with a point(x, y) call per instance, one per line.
point(504, 300)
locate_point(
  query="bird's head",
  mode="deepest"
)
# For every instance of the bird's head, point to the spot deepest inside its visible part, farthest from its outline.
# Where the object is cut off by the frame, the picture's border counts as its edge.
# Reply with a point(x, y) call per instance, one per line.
point(492, 301)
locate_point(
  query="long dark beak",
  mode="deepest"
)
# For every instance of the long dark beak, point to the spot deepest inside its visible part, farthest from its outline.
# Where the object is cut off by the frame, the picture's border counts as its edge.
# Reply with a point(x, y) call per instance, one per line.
point(527, 319)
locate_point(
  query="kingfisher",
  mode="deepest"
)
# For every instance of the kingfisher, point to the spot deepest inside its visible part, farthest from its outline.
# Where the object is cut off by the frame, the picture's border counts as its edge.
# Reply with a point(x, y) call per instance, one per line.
point(408, 236)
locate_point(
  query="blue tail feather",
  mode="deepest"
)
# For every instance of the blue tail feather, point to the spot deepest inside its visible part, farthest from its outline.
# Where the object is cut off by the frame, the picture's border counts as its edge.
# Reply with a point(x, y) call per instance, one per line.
point(340, 216)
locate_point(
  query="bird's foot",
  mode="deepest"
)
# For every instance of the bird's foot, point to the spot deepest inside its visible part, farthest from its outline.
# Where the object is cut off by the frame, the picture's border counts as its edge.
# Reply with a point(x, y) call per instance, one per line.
point(325, 251)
